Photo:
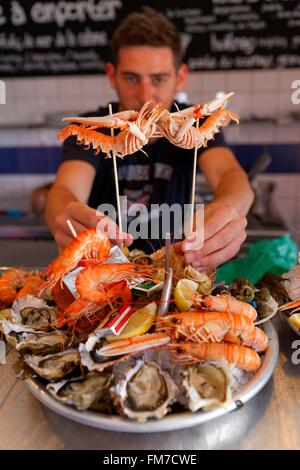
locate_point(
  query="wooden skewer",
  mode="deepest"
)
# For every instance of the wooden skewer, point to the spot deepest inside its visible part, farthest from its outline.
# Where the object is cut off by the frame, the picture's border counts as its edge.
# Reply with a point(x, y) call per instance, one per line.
point(194, 184)
point(167, 252)
point(72, 229)
point(116, 178)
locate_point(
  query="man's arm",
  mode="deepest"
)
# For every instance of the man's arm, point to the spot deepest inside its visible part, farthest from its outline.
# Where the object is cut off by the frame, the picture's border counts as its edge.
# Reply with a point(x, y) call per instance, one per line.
point(71, 188)
point(68, 198)
point(224, 218)
point(227, 179)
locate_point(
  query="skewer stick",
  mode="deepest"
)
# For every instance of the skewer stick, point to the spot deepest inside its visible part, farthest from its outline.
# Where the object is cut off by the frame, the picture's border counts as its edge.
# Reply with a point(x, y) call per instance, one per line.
point(116, 178)
point(194, 183)
point(167, 252)
point(72, 229)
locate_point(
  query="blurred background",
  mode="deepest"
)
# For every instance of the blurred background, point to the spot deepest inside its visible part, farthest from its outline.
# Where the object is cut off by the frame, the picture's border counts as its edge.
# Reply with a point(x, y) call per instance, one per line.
point(51, 62)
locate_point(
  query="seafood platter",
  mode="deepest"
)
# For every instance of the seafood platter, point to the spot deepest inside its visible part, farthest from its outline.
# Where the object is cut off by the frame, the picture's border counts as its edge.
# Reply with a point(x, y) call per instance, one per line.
point(136, 342)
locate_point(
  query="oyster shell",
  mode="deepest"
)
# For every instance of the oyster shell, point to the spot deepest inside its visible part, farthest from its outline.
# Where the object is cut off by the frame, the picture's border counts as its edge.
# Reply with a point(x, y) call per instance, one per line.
point(26, 339)
point(54, 367)
point(33, 312)
point(207, 385)
point(89, 392)
point(145, 392)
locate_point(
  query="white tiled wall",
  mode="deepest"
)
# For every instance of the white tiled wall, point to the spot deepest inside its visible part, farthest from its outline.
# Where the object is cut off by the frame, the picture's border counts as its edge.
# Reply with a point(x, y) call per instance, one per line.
point(15, 190)
point(259, 93)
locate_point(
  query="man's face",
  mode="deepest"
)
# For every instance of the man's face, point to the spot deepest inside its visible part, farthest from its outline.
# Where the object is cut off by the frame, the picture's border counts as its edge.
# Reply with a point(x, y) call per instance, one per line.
point(145, 73)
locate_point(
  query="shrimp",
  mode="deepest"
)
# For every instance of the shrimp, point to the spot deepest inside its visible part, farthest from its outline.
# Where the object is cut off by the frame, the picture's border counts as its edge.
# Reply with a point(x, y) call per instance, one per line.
point(32, 285)
point(240, 356)
point(197, 326)
point(83, 308)
point(91, 245)
point(10, 282)
point(224, 303)
point(94, 282)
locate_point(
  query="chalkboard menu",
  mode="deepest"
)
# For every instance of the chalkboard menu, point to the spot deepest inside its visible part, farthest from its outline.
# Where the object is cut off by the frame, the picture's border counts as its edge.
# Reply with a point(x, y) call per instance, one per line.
point(72, 37)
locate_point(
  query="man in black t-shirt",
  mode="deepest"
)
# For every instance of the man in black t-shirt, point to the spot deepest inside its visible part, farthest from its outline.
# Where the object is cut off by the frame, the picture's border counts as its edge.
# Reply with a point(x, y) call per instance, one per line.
point(147, 65)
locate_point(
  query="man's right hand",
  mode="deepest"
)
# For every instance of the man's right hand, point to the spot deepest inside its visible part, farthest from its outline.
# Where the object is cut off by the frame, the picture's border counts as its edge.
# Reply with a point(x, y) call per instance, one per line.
point(83, 217)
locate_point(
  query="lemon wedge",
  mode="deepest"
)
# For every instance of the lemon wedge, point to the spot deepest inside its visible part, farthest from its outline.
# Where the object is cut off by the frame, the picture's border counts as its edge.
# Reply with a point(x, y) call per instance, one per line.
point(139, 323)
point(295, 319)
point(183, 294)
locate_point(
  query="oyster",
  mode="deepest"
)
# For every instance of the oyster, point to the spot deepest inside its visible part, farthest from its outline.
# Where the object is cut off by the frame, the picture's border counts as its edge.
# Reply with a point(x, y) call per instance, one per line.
point(89, 392)
point(33, 312)
point(26, 339)
point(207, 385)
point(145, 392)
point(54, 367)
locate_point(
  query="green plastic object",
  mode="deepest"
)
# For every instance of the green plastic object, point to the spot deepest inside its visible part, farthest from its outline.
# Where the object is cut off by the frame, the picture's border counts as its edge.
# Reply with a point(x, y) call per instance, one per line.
point(275, 256)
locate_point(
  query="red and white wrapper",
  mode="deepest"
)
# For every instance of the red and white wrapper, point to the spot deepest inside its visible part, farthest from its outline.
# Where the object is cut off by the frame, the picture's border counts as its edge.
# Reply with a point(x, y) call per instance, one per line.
point(117, 322)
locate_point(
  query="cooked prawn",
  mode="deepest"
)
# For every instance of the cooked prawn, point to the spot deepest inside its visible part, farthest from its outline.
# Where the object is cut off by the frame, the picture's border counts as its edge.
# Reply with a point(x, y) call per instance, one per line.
point(224, 303)
point(32, 285)
point(198, 326)
point(91, 245)
point(82, 308)
point(240, 356)
point(10, 282)
point(94, 282)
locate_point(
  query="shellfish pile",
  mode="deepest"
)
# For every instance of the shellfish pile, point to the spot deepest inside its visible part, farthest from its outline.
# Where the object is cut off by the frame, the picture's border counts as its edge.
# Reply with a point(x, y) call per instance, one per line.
point(193, 358)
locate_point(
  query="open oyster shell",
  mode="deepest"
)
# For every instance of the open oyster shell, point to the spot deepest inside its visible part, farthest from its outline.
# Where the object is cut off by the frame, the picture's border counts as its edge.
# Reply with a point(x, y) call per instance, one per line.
point(207, 385)
point(25, 339)
point(84, 393)
point(33, 312)
point(145, 392)
point(55, 367)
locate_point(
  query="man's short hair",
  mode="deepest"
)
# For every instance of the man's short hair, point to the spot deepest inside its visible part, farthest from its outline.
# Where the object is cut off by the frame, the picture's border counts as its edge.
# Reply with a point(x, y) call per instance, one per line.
point(147, 28)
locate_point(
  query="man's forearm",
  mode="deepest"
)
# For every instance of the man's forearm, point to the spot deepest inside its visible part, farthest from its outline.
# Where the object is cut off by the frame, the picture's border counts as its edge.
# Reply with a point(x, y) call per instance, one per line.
point(58, 198)
point(234, 189)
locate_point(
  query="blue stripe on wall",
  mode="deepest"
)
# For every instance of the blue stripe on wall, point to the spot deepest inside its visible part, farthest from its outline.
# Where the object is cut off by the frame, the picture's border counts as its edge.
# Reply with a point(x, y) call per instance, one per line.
point(285, 158)
point(29, 159)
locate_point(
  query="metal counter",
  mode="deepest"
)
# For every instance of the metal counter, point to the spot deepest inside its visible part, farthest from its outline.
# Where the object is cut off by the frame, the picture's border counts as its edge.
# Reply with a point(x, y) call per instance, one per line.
point(271, 420)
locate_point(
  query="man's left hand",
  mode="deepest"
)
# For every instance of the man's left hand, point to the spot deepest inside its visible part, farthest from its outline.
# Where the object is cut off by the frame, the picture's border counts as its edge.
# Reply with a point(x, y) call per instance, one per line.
point(224, 233)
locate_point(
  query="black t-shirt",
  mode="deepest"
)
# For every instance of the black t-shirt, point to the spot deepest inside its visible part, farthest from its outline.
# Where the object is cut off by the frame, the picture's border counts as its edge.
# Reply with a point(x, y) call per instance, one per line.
point(164, 175)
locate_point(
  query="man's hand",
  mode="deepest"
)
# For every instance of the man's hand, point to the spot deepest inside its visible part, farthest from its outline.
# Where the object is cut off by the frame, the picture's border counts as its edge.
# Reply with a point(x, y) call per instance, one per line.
point(83, 217)
point(224, 232)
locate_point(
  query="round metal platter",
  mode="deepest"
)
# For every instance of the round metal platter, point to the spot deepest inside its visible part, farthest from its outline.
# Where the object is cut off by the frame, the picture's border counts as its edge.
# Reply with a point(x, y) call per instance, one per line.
point(172, 421)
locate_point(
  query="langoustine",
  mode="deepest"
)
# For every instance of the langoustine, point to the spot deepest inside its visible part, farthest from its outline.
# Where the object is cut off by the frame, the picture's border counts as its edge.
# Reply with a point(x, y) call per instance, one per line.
point(195, 326)
point(136, 129)
point(240, 356)
point(179, 130)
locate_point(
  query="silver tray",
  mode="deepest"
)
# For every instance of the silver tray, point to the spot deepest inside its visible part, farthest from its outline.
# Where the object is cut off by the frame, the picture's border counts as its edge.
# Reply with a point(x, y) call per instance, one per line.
point(172, 421)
